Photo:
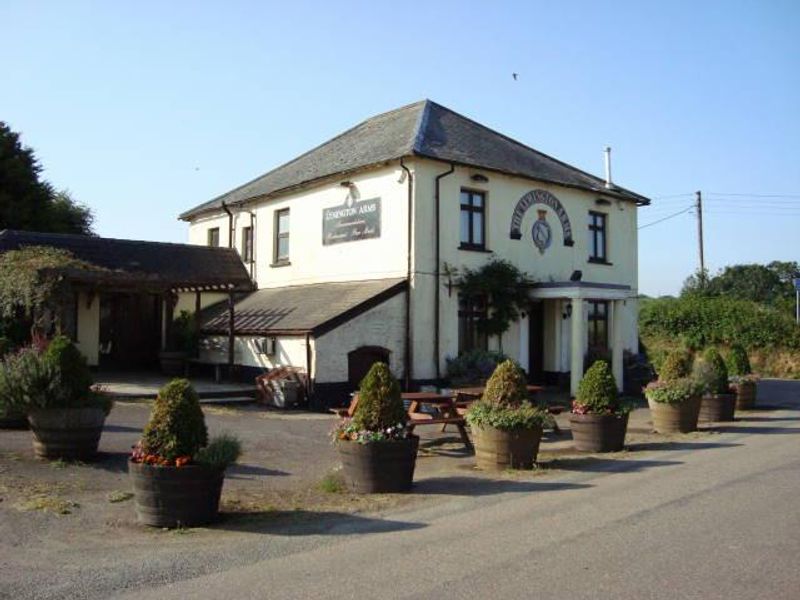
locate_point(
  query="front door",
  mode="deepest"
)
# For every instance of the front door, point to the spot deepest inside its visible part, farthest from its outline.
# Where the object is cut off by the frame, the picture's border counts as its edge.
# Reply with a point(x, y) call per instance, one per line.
point(130, 330)
point(360, 361)
point(536, 343)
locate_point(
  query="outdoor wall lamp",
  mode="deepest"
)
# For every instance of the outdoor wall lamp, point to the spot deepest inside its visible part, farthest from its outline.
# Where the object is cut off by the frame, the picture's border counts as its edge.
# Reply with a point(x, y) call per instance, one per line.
point(478, 178)
point(567, 311)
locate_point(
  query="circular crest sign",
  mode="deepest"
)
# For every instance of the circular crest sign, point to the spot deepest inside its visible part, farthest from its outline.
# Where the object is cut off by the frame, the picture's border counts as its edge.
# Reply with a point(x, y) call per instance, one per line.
point(541, 233)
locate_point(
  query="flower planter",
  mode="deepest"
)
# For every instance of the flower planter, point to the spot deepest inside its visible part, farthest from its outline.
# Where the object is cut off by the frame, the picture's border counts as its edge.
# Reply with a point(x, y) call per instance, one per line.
point(66, 433)
point(175, 496)
point(172, 362)
point(675, 418)
point(497, 450)
point(745, 395)
point(717, 407)
point(379, 467)
point(599, 433)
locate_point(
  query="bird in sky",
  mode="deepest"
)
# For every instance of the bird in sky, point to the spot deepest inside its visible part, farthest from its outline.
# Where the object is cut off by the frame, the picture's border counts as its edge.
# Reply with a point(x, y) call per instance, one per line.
point(515, 75)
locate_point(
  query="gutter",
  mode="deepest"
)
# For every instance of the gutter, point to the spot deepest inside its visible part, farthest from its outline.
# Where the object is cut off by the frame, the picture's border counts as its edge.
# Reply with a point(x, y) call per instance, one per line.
point(407, 341)
point(436, 328)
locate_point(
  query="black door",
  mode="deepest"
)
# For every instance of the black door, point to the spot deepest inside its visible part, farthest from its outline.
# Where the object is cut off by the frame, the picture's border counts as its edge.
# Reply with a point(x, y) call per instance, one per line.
point(361, 360)
point(536, 343)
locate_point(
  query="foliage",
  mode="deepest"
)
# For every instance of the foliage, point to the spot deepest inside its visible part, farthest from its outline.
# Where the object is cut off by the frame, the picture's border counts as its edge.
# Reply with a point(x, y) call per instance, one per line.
point(25, 380)
point(676, 365)
point(712, 373)
point(738, 361)
point(765, 284)
point(29, 203)
point(673, 392)
point(177, 427)
point(380, 405)
point(222, 451)
point(508, 418)
point(504, 404)
point(75, 377)
point(31, 279)
point(347, 431)
point(5, 346)
point(474, 365)
point(699, 322)
point(184, 334)
point(505, 289)
point(507, 386)
point(597, 392)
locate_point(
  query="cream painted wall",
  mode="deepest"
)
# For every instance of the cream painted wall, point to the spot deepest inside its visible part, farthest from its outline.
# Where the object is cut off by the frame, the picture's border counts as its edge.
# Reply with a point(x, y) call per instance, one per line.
point(310, 260)
point(383, 325)
point(89, 328)
point(186, 301)
point(290, 352)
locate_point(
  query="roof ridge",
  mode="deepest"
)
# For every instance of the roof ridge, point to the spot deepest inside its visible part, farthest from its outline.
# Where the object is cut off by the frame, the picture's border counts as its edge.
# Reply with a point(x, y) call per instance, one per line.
point(326, 283)
point(77, 236)
point(303, 155)
point(422, 124)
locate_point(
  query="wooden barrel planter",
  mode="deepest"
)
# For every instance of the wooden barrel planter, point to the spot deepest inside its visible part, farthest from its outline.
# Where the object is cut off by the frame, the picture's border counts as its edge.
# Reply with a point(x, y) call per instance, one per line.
point(599, 433)
point(675, 418)
point(745, 395)
point(379, 467)
point(717, 407)
point(498, 450)
point(67, 433)
point(175, 496)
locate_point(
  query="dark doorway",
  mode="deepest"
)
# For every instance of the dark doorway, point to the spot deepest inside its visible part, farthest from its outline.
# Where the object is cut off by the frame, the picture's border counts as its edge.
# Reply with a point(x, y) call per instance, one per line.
point(536, 343)
point(130, 331)
point(360, 360)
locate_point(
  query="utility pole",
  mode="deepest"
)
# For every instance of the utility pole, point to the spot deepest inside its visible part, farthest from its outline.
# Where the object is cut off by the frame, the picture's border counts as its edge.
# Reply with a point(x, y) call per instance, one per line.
point(699, 207)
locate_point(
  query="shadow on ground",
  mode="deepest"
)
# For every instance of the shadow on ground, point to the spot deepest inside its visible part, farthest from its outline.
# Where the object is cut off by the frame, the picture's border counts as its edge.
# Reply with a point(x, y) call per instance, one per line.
point(667, 445)
point(744, 418)
point(302, 522)
point(596, 464)
point(480, 486)
point(240, 471)
point(121, 429)
point(757, 430)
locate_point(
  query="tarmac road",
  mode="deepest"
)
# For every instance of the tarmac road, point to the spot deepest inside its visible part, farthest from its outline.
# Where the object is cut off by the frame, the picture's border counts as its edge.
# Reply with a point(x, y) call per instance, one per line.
point(717, 518)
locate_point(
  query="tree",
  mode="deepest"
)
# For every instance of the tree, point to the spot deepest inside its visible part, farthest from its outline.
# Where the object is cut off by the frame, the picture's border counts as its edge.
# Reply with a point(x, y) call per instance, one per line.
point(28, 202)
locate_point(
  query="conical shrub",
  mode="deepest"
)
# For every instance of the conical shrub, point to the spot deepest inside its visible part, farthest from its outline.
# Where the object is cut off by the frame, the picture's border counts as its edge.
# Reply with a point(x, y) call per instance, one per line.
point(597, 391)
point(507, 386)
point(75, 378)
point(738, 361)
point(380, 405)
point(677, 365)
point(716, 376)
point(177, 426)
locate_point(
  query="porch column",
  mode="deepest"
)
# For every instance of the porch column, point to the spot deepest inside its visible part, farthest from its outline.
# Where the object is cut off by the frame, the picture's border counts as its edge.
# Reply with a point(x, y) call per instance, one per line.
point(524, 332)
point(616, 342)
point(578, 335)
point(231, 334)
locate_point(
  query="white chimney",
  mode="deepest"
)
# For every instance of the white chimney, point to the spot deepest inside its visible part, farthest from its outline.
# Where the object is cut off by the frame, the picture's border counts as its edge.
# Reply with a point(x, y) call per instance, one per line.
point(609, 184)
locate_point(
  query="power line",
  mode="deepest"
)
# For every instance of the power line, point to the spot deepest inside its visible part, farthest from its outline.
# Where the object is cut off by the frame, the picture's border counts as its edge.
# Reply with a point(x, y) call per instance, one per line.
point(685, 210)
point(754, 195)
point(672, 196)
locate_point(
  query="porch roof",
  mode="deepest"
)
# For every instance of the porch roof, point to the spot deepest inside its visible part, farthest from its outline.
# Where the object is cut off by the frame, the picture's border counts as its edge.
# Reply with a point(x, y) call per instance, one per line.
point(581, 290)
point(155, 266)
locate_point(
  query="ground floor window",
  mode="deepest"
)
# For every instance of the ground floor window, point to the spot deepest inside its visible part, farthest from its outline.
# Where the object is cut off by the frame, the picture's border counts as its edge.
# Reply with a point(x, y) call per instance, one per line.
point(471, 312)
point(598, 326)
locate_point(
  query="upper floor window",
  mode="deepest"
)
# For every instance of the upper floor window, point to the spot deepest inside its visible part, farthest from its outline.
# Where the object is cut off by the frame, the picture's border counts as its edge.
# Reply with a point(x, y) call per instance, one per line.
point(247, 244)
point(471, 314)
point(473, 220)
point(213, 236)
point(598, 326)
point(281, 236)
point(598, 233)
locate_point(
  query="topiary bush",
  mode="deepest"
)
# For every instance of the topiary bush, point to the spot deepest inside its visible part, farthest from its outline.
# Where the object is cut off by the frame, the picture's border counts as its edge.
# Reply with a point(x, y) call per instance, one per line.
point(673, 392)
point(380, 406)
point(505, 405)
point(507, 386)
point(677, 365)
point(177, 427)
point(712, 372)
point(738, 361)
point(75, 377)
point(597, 392)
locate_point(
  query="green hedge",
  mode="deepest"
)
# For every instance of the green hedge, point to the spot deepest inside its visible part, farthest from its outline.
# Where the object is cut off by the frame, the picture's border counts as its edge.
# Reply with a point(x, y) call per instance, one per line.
point(701, 322)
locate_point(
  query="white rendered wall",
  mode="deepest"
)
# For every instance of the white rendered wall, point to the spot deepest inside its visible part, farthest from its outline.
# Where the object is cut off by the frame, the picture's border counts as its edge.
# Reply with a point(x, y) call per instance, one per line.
point(89, 328)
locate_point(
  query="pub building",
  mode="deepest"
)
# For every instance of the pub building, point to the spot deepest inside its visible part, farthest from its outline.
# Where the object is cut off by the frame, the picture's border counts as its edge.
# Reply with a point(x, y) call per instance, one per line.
point(352, 248)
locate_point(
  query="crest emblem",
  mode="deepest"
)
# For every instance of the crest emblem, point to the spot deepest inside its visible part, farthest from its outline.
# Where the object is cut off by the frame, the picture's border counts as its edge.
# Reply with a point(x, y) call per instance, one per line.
point(541, 233)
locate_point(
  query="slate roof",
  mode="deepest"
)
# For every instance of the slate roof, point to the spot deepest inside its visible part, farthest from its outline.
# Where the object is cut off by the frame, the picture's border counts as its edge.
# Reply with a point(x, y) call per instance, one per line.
point(424, 129)
point(314, 308)
point(156, 264)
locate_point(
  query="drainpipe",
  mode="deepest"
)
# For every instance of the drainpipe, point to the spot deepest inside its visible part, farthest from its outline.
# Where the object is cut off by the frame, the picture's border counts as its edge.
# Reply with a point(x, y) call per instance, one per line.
point(230, 224)
point(252, 243)
point(438, 270)
point(407, 341)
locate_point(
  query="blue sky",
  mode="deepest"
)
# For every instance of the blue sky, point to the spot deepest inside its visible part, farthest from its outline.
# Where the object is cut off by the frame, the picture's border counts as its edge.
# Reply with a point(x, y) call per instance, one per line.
point(145, 109)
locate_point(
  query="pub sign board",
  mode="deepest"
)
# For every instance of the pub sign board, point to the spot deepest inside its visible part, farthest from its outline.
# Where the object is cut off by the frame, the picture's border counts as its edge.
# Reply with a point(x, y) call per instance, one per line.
point(360, 220)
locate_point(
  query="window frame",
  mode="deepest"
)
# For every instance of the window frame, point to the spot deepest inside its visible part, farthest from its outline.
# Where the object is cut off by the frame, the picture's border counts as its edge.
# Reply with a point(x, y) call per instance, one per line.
point(248, 244)
point(595, 232)
point(472, 210)
point(471, 311)
point(212, 234)
point(593, 318)
point(277, 259)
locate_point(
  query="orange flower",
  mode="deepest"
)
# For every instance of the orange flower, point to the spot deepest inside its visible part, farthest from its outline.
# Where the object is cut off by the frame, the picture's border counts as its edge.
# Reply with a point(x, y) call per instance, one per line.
point(182, 460)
